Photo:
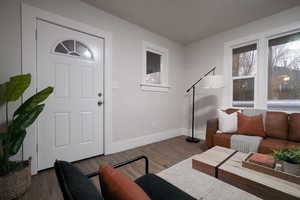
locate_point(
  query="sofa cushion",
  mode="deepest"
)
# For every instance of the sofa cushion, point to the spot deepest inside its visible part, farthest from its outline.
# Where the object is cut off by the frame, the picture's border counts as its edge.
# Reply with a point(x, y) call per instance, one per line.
point(222, 139)
point(277, 125)
point(115, 185)
point(227, 122)
point(269, 144)
point(251, 112)
point(252, 126)
point(294, 129)
point(159, 189)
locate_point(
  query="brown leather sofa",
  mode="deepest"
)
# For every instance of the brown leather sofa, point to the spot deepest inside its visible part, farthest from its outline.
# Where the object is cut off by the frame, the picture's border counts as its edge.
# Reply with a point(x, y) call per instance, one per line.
point(282, 130)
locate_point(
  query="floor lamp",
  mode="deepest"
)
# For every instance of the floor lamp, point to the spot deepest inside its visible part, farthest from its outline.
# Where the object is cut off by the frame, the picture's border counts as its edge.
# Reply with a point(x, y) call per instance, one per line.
point(209, 81)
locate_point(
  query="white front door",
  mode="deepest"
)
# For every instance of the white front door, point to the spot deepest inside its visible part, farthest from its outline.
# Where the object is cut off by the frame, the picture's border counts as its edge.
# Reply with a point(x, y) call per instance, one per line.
point(71, 125)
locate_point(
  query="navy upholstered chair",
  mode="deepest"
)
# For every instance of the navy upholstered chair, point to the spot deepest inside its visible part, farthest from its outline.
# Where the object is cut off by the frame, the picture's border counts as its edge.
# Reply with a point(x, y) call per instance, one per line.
point(77, 186)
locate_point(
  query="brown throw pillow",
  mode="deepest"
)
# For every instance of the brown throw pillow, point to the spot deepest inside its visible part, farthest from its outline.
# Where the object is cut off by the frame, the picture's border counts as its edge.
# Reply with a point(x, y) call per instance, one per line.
point(115, 185)
point(252, 126)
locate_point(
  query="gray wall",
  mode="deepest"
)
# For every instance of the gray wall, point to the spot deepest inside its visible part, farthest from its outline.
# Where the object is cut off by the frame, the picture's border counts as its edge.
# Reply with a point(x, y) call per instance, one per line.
point(10, 49)
point(135, 112)
point(202, 55)
point(10, 44)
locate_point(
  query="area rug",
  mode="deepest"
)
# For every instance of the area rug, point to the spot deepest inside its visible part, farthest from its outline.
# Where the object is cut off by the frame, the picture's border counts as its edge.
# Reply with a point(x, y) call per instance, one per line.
point(200, 185)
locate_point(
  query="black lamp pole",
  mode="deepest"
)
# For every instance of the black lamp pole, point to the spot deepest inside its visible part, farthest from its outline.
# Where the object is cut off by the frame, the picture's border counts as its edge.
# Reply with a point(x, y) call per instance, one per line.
point(193, 139)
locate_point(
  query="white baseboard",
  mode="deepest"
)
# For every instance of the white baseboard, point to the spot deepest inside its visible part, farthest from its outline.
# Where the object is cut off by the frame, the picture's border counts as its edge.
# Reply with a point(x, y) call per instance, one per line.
point(199, 133)
point(124, 145)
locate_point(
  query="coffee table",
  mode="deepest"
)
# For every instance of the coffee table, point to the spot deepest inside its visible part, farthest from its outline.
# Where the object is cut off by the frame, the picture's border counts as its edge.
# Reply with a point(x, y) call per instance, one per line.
point(257, 183)
point(200, 185)
point(209, 161)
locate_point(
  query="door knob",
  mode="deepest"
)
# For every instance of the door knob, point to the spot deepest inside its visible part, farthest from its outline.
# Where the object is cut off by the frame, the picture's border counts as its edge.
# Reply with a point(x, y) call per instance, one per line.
point(99, 94)
point(100, 103)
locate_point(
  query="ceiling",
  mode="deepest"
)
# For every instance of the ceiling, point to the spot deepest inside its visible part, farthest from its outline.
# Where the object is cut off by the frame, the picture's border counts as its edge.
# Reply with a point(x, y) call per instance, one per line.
point(185, 21)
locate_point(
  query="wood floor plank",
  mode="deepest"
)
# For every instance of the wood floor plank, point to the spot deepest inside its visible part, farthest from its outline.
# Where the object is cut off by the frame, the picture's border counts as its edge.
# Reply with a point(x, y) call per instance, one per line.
point(161, 155)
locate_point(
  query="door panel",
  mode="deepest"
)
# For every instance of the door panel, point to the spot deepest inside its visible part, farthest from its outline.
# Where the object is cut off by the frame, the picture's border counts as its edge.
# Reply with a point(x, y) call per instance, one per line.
point(71, 126)
point(62, 80)
point(62, 129)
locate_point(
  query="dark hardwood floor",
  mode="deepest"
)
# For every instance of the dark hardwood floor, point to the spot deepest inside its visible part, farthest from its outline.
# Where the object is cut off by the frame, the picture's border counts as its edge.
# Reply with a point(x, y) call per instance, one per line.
point(161, 156)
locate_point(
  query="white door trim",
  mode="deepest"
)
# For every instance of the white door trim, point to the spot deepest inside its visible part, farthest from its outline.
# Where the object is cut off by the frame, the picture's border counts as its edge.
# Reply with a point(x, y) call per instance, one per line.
point(29, 18)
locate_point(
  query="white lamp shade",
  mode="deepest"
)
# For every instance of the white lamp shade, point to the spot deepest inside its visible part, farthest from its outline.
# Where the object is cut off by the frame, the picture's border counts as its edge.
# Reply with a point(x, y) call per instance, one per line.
point(214, 81)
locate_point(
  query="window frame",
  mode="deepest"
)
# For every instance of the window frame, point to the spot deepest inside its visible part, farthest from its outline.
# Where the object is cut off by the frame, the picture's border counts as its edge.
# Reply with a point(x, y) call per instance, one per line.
point(163, 86)
point(278, 35)
point(92, 59)
point(229, 78)
point(261, 77)
point(254, 76)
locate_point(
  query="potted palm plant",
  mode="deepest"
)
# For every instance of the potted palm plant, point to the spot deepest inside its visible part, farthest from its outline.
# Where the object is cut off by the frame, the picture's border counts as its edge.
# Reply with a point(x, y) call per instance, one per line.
point(15, 176)
point(290, 158)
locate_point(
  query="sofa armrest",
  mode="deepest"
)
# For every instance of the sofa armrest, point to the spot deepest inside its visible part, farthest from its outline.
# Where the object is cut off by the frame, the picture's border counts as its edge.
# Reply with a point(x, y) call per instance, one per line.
point(211, 129)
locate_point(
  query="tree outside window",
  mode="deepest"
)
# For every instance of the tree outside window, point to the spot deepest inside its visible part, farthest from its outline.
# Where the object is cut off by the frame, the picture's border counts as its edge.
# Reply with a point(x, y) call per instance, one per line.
point(284, 73)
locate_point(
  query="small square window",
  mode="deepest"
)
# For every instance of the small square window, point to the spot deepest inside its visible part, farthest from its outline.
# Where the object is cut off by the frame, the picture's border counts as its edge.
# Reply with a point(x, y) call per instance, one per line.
point(153, 68)
point(155, 64)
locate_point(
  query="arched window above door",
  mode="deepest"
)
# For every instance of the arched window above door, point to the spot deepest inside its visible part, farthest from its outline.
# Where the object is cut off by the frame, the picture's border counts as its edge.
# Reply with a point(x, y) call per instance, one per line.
point(74, 48)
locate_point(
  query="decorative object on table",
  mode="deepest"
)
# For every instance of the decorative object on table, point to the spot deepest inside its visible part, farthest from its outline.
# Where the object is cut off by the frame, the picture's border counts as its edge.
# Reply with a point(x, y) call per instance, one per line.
point(15, 176)
point(274, 171)
point(262, 159)
point(265, 183)
point(290, 158)
point(214, 81)
point(278, 167)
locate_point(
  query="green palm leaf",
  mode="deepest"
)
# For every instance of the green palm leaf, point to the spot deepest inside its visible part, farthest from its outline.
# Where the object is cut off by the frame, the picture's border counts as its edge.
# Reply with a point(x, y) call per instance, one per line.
point(12, 140)
point(14, 88)
point(3, 136)
point(2, 93)
point(16, 144)
point(25, 119)
point(34, 101)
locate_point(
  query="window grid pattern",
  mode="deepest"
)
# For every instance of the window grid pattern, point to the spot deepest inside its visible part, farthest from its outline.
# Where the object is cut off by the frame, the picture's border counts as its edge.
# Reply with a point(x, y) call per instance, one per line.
point(244, 65)
point(74, 48)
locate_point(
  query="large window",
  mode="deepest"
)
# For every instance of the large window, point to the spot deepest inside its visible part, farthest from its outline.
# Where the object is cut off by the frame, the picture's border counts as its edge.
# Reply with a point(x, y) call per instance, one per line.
point(265, 70)
point(244, 62)
point(284, 73)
